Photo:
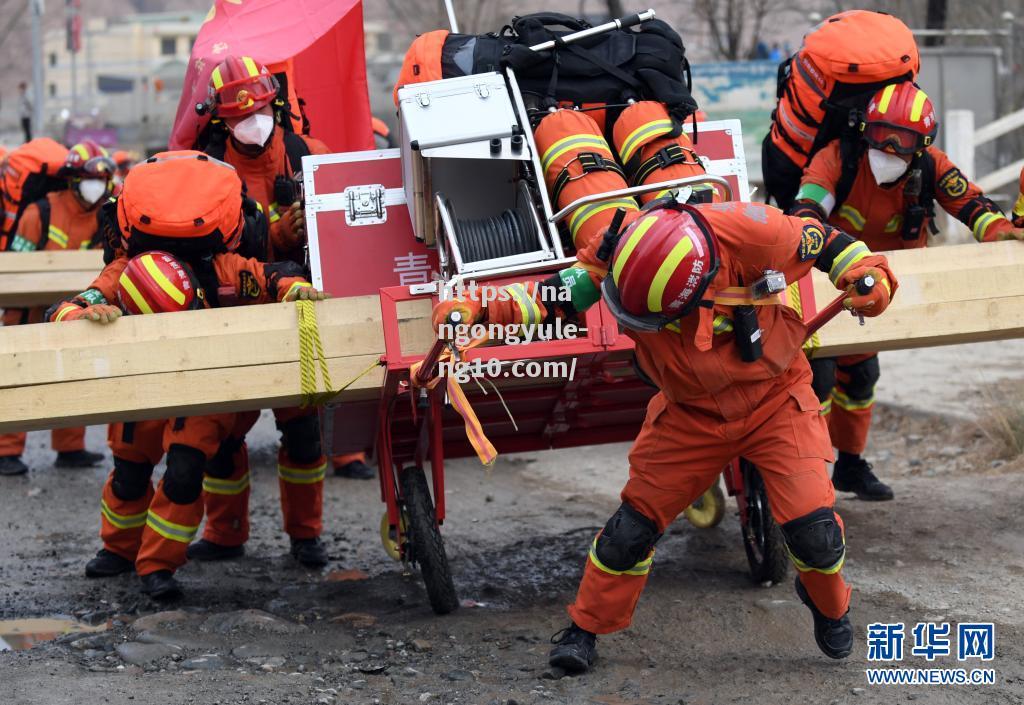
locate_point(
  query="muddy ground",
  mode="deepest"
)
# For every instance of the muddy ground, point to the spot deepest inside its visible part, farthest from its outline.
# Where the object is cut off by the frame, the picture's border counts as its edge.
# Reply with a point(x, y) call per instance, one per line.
point(949, 548)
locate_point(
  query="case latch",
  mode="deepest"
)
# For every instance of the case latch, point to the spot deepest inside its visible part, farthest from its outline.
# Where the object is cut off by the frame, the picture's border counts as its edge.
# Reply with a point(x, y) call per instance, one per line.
point(364, 205)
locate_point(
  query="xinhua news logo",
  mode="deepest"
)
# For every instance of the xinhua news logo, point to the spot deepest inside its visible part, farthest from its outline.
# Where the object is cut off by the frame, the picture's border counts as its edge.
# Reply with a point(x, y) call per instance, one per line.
point(933, 642)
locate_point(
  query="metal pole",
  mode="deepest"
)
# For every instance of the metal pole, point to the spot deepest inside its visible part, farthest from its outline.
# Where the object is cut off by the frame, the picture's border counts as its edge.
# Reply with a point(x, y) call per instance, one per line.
point(73, 31)
point(74, 83)
point(37, 67)
point(621, 23)
point(89, 79)
point(452, 22)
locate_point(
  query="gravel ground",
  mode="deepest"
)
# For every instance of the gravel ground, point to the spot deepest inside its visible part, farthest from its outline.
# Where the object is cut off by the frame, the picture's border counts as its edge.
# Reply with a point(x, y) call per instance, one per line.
point(262, 630)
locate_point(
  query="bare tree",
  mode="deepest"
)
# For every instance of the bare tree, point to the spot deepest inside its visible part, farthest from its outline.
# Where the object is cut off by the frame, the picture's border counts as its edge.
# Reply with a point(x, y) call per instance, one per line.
point(736, 27)
point(418, 16)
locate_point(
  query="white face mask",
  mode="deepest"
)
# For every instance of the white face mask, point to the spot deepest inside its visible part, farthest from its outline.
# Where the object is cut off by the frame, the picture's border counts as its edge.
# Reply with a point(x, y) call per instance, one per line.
point(254, 130)
point(885, 167)
point(92, 190)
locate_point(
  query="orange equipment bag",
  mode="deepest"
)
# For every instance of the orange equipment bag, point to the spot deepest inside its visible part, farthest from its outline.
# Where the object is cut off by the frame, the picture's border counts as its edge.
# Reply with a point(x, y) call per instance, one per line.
point(843, 62)
point(27, 174)
point(653, 147)
point(577, 162)
point(184, 202)
point(422, 61)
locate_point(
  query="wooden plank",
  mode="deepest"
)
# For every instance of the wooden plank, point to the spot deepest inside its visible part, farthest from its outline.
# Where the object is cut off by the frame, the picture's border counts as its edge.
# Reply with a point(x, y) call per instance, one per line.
point(925, 325)
point(247, 357)
point(172, 394)
point(52, 261)
point(221, 338)
point(20, 289)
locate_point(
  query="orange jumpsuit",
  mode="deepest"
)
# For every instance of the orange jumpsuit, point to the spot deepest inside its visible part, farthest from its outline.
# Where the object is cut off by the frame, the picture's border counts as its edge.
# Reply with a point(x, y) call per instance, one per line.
point(72, 227)
point(713, 407)
point(846, 385)
point(154, 528)
point(259, 173)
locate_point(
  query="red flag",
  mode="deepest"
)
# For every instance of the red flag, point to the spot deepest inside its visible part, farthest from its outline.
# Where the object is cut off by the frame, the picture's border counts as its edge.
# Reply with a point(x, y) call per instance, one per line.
point(322, 40)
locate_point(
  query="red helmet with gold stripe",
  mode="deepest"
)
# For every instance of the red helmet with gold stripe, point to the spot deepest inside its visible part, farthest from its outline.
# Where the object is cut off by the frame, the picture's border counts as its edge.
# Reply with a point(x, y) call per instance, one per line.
point(158, 282)
point(900, 118)
point(88, 160)
point(240, 85)
point(661, 266)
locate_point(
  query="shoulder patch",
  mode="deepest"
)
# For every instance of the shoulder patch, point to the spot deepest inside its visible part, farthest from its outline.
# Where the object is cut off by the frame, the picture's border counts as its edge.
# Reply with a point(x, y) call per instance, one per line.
point(812, 240)
point(953, 183)
point(248, 287)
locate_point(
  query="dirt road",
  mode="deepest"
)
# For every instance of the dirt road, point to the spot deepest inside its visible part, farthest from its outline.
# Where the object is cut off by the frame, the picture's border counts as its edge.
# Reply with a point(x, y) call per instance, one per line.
point(261, 630)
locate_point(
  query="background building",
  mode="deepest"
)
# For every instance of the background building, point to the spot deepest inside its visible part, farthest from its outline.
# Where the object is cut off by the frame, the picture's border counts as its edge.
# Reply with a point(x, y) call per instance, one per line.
point(127, 78)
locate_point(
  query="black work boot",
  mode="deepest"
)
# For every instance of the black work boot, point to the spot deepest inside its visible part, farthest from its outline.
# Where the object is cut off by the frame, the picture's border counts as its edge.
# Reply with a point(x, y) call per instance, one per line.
point(356, 470)
point(203, 550)
point(854, 474)
point(161, 585)
point(77, 459)
point(575, 649)
point(309, 552)
point(107, 564)
point(12, 465)
point(834, 636)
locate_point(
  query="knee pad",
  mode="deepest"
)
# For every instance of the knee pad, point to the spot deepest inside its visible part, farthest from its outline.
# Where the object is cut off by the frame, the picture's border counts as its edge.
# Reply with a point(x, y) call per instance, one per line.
point(301, 439)
point(183, 481)
point(815, 541)
point(222, 464)
point(863, 376)
point(626, 540)
point(824, 377)
point(130, 479)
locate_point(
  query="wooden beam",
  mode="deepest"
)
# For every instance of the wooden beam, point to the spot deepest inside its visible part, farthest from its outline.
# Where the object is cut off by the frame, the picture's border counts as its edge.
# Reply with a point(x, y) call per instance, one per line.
point(21, 289)
point(219, 338)
point(52, 261)
point(41, 278)
point(247, 357)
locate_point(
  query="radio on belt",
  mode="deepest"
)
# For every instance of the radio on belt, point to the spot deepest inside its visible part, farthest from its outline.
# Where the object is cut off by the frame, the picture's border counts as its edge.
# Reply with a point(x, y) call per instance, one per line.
point(745, 325)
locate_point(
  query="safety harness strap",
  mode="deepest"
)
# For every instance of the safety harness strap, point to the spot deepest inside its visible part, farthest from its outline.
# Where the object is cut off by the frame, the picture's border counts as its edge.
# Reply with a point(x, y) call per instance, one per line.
point(589, 162)
point(639, 171)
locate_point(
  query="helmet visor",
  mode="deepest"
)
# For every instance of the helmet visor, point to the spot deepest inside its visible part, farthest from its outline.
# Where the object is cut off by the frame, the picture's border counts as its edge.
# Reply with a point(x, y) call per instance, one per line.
point(245, 95)
point(882, 135)
point(99, 168)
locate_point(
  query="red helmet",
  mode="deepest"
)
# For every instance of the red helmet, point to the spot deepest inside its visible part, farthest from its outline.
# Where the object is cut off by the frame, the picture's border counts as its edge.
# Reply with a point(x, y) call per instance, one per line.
point(661, 267)
point(158, 282)
point(240, 86)
point(900, 117)
point(88, 160)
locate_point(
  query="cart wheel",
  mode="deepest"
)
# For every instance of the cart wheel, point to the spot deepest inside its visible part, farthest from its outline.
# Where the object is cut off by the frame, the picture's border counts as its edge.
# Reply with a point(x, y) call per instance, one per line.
point(425, 546)
point(708, 509)
point(389, 537)
point(762, 537)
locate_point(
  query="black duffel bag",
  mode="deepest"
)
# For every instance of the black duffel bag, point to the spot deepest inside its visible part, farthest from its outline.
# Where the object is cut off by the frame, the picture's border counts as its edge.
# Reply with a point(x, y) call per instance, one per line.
point(647, 62)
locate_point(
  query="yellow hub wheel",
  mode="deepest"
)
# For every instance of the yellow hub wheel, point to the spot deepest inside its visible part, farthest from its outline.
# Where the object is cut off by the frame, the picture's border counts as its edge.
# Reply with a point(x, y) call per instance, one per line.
point(389, 537)
point(708, 509)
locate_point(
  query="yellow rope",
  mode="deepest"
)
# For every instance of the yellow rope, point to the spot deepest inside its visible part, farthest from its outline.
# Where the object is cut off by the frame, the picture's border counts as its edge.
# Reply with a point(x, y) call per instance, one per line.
point(311, 350)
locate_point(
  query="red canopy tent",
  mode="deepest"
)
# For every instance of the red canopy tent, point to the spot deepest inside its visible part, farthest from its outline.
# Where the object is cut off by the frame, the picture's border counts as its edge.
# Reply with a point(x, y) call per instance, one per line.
point(319, 43)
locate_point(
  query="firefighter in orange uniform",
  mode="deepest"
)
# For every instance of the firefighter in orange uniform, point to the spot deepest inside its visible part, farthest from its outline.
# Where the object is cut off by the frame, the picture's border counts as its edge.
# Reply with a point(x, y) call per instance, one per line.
point(883, 188)
point(63, 220)
point(683, 283)
point(140, 527)
point(250, 129)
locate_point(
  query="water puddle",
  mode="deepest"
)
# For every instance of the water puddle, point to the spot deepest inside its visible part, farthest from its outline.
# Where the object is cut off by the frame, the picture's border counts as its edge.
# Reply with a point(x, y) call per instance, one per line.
point(18, 634)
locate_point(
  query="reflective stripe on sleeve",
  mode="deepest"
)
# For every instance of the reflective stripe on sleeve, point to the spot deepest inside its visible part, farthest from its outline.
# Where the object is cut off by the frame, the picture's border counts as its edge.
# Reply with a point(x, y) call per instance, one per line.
point(852, 254)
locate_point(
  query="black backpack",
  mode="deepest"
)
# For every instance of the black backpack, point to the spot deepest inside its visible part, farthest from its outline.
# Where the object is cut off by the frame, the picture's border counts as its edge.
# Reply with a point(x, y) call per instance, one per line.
point(642, 63)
